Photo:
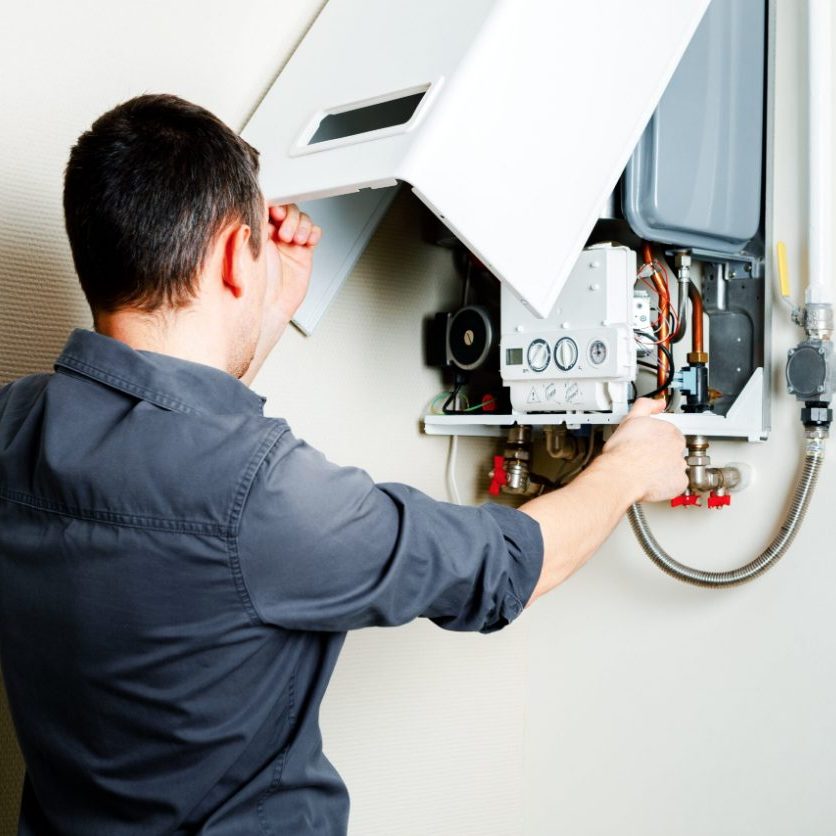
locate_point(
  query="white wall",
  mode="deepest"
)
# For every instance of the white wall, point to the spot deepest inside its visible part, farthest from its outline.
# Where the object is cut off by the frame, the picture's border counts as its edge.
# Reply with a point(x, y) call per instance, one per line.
point(624, 703)
point(657, 709)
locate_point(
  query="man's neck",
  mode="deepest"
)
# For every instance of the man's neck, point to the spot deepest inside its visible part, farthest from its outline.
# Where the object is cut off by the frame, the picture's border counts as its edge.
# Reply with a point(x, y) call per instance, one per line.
point(185, 334)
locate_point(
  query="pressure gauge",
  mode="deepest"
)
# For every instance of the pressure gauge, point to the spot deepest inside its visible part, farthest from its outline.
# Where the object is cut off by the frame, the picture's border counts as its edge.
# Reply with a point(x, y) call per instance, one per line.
point(565, 353)
point(538, 355)
point(597, 352)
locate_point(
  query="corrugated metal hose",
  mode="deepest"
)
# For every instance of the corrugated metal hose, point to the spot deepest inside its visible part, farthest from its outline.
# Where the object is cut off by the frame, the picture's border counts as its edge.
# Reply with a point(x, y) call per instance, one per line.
point(812, 461)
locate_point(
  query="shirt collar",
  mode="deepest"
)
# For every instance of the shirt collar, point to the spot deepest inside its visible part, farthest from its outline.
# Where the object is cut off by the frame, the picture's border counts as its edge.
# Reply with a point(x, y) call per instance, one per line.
point(166, 381)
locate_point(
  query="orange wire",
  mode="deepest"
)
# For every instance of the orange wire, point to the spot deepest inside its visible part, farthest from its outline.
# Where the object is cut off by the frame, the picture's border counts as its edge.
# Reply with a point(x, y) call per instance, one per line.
point(663, 294)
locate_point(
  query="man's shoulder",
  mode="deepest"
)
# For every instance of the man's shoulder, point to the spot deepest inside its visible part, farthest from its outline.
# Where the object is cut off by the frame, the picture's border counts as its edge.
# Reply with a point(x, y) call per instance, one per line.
point(76, 442)
point(19, 397)
point(30, 385)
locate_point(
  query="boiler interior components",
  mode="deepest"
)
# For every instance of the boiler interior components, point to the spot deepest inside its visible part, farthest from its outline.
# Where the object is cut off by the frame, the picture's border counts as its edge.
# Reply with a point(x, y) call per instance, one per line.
point(693, 314)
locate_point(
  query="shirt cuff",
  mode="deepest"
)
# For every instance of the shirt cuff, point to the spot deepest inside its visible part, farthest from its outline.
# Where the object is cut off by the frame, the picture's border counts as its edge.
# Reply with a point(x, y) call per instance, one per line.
point(525, 547)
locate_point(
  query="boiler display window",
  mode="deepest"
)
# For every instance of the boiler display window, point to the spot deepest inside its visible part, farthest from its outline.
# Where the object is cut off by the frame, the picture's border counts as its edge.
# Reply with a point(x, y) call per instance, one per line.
point(513, 357)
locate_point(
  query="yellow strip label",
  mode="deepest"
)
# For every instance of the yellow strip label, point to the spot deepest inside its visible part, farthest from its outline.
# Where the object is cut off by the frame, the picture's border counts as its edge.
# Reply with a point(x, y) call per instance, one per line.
point(783, 269)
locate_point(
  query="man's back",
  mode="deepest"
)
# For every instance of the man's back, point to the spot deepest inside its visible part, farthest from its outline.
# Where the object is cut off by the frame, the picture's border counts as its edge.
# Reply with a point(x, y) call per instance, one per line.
point(158, 698)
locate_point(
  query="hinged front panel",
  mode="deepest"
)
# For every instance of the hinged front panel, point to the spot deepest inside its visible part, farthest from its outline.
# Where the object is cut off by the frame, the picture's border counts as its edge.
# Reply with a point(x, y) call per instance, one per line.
point(511, 119)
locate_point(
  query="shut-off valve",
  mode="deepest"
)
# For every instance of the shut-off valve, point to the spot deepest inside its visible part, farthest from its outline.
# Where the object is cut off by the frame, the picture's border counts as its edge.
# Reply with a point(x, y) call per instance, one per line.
point(703, 478)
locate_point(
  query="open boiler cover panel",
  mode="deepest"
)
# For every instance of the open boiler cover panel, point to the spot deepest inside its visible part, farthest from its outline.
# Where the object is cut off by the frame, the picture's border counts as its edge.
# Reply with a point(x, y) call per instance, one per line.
point(550, 108)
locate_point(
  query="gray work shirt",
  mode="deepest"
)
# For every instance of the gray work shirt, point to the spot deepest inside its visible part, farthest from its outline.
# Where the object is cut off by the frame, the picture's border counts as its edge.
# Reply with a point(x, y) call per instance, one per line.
point(177, 573)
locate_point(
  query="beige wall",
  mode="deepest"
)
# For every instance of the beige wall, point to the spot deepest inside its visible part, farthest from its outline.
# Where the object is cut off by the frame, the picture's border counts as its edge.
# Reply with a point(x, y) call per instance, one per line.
point(657, 709)
point(623, 704)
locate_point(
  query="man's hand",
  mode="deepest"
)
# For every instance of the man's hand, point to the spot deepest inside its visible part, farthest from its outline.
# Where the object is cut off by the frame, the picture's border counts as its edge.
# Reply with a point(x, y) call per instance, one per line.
point(291, 237)
point(643, 460)
point(294, 235)
point(651, 451)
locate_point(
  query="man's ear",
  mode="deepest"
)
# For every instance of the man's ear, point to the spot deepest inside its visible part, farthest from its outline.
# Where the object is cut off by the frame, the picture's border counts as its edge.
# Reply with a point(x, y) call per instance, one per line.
point(237, 258)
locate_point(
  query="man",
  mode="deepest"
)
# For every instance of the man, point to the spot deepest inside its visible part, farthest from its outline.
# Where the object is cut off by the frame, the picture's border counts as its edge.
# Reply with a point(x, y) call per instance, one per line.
point(177, 572)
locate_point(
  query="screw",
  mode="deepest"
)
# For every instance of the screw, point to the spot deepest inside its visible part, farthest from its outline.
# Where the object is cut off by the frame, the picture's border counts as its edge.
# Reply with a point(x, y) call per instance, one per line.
point(791, 352)
point(821, 349)
point(820, 388)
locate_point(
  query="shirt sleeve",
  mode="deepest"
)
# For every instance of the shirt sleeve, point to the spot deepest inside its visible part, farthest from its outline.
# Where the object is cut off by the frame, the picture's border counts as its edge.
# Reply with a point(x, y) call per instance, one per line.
point(323, 547)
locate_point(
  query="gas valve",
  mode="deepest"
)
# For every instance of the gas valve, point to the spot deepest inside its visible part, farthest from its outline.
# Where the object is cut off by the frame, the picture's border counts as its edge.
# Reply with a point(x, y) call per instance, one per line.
point(512, 472)
point(498, 476)
point(718, 499)
point(703, 478)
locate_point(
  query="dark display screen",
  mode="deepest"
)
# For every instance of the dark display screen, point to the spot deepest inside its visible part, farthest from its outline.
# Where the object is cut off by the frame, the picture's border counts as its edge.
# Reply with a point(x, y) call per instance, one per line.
point(513, 357)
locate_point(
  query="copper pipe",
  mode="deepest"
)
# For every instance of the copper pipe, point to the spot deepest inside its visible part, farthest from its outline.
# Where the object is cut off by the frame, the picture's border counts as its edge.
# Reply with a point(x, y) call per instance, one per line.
point(658, 278)
point(696, 318)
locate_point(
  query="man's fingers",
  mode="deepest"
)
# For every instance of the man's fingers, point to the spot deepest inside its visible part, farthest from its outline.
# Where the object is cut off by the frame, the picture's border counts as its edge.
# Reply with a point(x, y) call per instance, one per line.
point(288, 227)
point(292, 226)
point(303, 231)
point(647, 406)
point(278, 213)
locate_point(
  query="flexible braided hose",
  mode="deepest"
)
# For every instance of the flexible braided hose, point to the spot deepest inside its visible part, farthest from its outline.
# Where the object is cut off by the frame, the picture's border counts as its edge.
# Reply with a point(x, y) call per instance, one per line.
point(813, 458)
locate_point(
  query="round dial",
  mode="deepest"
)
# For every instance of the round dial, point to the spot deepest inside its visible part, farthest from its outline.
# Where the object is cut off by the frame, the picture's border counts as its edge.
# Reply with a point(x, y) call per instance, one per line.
point(538, 355)
point(565, 353)
point(598, 352)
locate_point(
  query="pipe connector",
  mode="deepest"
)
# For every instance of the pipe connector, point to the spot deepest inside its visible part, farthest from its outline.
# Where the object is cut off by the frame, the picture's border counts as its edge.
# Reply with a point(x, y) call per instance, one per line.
point(560, 443)
point(703, 478)
point(817, 320)
point(511, 472)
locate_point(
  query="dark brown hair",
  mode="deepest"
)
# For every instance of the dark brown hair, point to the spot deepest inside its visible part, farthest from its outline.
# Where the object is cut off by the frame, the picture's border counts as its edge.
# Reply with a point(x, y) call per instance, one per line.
point(146, 190)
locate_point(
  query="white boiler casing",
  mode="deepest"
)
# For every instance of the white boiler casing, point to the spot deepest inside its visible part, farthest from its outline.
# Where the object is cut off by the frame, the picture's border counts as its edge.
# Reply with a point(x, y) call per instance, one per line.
point(582, 357)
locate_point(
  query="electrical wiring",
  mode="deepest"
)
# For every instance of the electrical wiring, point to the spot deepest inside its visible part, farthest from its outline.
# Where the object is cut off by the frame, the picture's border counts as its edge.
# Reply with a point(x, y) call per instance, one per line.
point(671, 313)
point(478, 406)
point(452, 456)
point(660, 389)
point(672, 318)
point(659, 277)
point(450, 396)
point(669, 370)
point(650, 336)
point(453, 451)
point(452, 399)
point(667, 352)
point(441, 396)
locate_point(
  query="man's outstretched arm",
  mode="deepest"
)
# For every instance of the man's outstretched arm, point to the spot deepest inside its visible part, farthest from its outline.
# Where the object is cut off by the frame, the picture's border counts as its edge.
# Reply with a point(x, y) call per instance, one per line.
point(323, 547)
point(642, 461)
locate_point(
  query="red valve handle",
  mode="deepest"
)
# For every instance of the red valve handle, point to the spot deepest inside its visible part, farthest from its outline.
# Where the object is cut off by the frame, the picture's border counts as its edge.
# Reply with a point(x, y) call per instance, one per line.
point(500, 477)
point(718, 500)
point(685, 500)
